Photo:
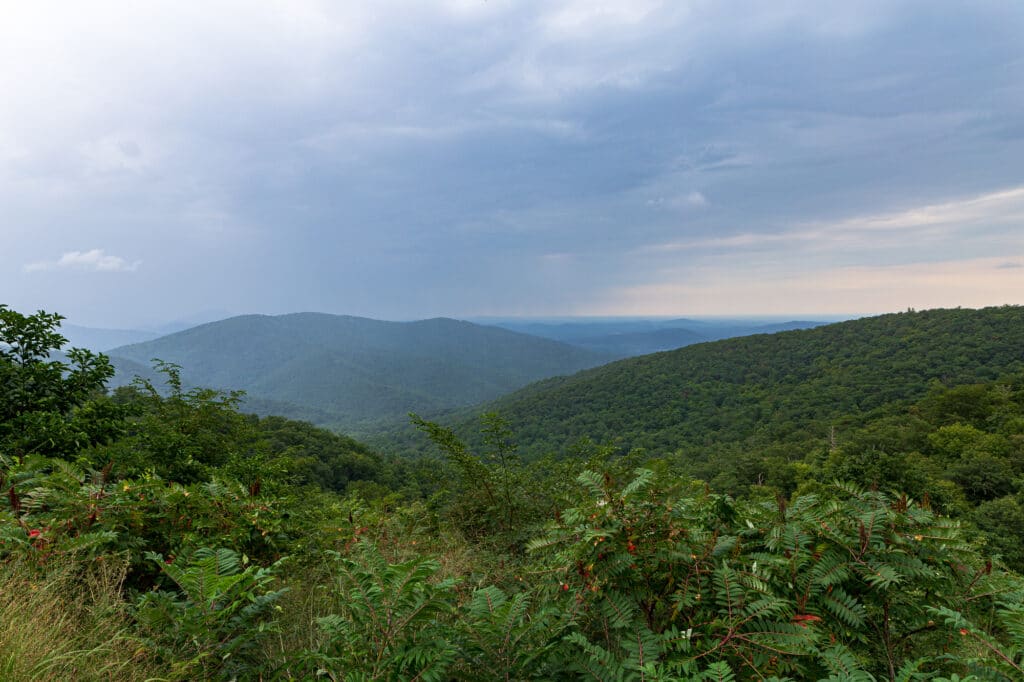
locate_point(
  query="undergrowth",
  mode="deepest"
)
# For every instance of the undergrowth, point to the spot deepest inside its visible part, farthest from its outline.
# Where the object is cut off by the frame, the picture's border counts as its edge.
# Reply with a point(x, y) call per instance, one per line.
point(68, 621)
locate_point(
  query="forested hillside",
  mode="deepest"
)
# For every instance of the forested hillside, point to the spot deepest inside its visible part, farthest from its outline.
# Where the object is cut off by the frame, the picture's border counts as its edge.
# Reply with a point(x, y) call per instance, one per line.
point(341, 370)
point(158, 533)
point(789, 388)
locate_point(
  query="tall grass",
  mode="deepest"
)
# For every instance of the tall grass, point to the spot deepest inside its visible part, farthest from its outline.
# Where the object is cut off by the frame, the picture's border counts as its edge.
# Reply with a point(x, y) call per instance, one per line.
point(67, 622)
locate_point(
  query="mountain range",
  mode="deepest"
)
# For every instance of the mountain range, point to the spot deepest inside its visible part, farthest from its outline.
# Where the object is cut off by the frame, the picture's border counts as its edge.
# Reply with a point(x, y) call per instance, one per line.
point(343, 370)
point(352, 373)
point(630, 337)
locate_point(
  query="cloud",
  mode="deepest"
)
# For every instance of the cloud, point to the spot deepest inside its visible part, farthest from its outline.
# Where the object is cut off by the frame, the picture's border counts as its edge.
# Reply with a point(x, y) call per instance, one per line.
point(903, 228)
point(557, 258)
point(963, 251)
point(95, 260)
point(691, 200)
point(1001, 205)
point(696, 199)
point(333, 155)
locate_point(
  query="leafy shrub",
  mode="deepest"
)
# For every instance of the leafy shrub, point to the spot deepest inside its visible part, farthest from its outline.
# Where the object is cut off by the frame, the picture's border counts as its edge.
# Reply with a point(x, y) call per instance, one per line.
point(44, 401)
point(504, 638)
point(664, 584)
point(393, 622)
point(212, 624)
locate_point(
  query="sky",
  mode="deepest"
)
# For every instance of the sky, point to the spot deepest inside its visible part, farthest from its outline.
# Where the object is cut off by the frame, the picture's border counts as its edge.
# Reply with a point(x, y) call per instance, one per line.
point(403, 160)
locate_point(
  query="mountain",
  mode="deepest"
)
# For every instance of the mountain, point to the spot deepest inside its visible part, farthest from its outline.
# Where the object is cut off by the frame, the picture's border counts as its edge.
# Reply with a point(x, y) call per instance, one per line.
point(343, 370)
point(630, 344)
point(716, 330)
point(781, 390)
point(571, 330)
point(99, 340)
point(631, 337)
point(188, 321)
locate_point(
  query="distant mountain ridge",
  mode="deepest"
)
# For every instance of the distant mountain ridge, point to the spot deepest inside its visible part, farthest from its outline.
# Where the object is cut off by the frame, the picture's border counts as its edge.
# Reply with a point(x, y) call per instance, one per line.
point(315, 365)
point(629, 337)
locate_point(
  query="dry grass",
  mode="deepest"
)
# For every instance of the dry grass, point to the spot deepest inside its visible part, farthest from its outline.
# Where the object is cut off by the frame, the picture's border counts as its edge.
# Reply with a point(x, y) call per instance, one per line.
point(68, 622)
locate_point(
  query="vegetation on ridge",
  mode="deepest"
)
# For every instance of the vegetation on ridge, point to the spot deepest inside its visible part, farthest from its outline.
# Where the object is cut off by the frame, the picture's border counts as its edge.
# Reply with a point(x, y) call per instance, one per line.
point(768, 390)
point(163, 535)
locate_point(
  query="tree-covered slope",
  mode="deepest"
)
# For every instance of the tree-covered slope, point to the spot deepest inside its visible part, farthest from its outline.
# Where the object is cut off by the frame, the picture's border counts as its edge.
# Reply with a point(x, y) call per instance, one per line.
point(354, 368)
point(765, 389)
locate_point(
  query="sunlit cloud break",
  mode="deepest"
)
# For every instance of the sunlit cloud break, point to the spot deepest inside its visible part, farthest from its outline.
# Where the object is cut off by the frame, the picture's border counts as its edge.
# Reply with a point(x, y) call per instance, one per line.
point(95, 260)
point(941, 220)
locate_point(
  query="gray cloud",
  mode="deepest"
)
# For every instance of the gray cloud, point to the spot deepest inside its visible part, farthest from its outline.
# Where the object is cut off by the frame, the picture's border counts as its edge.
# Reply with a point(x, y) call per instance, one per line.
point(405, 159)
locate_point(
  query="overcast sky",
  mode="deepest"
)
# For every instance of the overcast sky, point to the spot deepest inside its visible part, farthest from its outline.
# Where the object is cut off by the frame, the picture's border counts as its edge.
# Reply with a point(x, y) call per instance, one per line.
point(402, 160)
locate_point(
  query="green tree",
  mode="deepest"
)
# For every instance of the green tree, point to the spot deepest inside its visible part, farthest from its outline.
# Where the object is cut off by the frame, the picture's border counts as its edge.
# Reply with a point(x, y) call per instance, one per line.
point(186, 434)
point(48, 405)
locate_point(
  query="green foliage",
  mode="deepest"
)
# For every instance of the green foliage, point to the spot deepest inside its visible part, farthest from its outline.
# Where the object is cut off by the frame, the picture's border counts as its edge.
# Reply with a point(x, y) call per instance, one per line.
point(988, 654)
point(834, 587)
point(491, 500)
point(487, 565)
point(392, 621)
point(44, 401)
point(322, 458)
point(1001, 522)
point(781, 390)
point(213, 623)
point(63, 512)
point(504, 638)
point(970, 469)
point(182, 436)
